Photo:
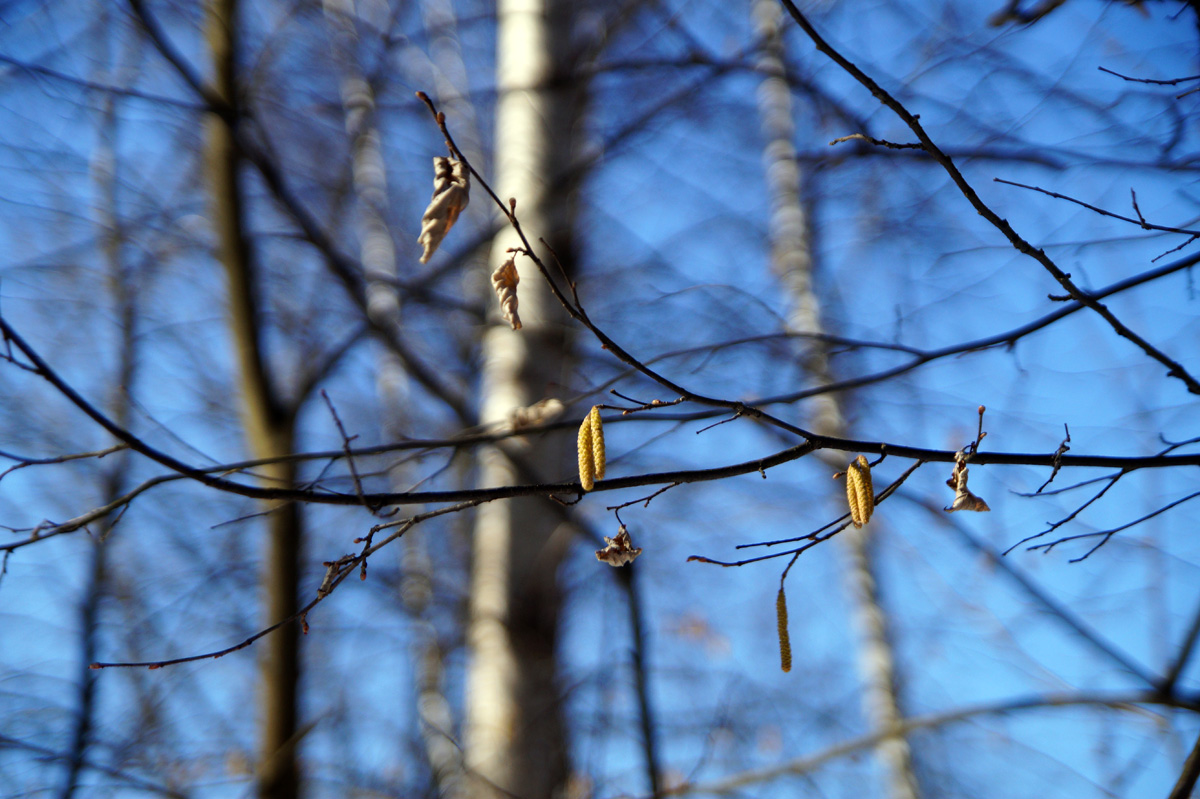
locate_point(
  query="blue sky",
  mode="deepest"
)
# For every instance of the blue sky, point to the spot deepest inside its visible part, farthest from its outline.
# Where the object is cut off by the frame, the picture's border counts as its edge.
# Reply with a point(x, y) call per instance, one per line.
point(673, 256)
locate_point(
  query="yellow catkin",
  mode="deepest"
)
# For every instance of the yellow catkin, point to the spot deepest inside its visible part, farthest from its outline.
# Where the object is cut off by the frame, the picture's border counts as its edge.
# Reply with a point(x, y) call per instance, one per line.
point(785, 644)
point(859, 491)
point(598, 454)
point(587, 457)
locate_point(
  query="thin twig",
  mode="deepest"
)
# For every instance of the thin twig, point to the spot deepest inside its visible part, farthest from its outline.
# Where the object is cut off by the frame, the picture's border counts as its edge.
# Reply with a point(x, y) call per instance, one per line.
point(643, 501)
point(1112, 481)
point(1035, 592)
point(575, 308)
point(346, 439)
point(1062, 450)
point(1172, 82)
point(891, 145)
point(1140, 221)
point(23, 462)
point(1174, 368)
point(1106, 535)
point(341, 569)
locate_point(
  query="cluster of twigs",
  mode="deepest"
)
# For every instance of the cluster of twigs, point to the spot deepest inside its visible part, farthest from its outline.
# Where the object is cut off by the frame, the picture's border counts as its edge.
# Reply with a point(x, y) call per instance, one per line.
point(451, 187)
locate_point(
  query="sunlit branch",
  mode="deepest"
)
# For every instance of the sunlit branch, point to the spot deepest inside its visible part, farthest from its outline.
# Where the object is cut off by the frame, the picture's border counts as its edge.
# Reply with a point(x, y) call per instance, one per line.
point(50, 529)
point(205, 476)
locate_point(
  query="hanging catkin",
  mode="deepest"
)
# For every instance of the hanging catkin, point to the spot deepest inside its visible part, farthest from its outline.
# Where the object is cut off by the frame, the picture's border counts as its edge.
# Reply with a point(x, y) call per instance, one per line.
point(599, 457)
point(591, 449)
point(785, 643)
point(859, 491)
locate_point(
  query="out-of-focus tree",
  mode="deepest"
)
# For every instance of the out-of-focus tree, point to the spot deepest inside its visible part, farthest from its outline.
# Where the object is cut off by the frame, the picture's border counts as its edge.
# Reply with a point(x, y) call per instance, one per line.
point(751, 307)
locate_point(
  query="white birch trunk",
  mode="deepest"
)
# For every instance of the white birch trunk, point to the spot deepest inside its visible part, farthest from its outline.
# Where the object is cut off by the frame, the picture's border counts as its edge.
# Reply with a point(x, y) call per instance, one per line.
point(792, 261)
point(514, 735)
point(378, 256)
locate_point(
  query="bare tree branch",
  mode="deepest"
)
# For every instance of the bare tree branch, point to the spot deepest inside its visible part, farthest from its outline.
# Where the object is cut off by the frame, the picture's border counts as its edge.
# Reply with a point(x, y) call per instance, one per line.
point(1174, 368)
point(810, 763)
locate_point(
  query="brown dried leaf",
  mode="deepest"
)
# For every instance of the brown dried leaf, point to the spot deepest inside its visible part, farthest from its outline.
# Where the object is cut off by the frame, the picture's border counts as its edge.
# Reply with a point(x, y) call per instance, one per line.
point(451, 190)
point(967, 501)
point(618, 551)
point(539, 413)
point(504, 281)
point(963, 498)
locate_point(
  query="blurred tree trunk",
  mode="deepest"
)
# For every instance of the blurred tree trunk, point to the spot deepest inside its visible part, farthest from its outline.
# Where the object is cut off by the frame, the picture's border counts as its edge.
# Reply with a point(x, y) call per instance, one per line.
point(268, 423)
point(792, 262)
point(378, 256)
point(515, 738)
point(114, 477)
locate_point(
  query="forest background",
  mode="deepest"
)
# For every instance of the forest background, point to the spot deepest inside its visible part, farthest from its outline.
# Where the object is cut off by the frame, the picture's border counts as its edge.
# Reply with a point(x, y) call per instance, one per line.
point(779, 236)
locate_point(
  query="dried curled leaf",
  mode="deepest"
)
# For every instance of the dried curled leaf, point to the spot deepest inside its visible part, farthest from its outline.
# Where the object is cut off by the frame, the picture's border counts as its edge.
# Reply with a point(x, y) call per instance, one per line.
point(591, 449)
point(785, 643)
point(859, 491)
point(504, 281)
point(539, 413)
point(963, 498)
point(967, 501)
point(451, 189)
point(618, 551)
